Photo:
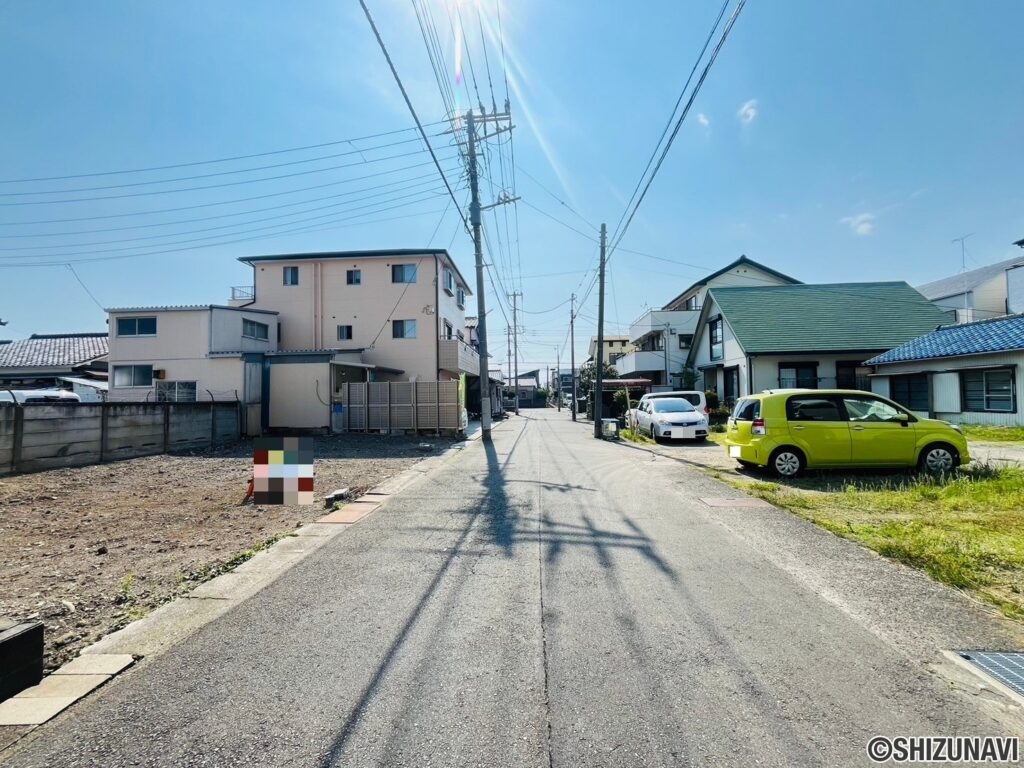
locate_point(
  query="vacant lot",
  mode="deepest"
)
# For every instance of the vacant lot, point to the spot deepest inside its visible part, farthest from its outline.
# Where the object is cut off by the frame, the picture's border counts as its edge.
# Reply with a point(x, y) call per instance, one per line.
point(87, 550)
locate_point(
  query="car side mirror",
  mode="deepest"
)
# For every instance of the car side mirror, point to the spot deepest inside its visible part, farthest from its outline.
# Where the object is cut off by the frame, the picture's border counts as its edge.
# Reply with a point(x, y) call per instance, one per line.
point(903, 419)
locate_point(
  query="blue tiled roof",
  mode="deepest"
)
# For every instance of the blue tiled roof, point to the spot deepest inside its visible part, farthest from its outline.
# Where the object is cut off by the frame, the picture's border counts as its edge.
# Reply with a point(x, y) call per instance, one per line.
point(1002, 334)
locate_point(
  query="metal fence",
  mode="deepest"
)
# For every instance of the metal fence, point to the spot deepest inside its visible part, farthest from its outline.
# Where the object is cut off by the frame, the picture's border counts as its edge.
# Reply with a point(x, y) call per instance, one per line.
point(397, 405)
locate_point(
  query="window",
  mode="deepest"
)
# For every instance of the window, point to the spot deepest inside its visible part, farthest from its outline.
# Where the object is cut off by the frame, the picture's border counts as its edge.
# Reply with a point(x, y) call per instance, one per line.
point(732, 384)
point(685, 340)
point(691, 303)
point(354, 277)
point(133, 375)
point(449, 282)
point(800, 375)
point(291, 275)
point(344, 333)
point(910, 391)
point(715, 338)
point(403, 329)
point(869, 409)
point(747, 410)
point(460, 297)
point(403, 273)
point(448, 330)
point(813, 408)
point(254, 330)
point(176, 391)
point(136, 326)
point(991, 390)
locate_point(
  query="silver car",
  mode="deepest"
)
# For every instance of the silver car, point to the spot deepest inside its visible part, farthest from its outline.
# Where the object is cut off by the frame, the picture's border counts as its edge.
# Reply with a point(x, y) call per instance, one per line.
point(672, 418)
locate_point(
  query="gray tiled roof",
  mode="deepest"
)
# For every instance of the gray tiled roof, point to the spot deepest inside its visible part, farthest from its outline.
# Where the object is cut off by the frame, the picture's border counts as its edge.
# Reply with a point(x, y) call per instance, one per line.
point(1001, 334)
point(966, 281)
point(53, 351)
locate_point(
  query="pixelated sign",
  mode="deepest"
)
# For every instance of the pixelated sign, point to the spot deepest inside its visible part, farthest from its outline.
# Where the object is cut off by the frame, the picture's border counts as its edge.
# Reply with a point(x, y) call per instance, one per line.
point(283, 470)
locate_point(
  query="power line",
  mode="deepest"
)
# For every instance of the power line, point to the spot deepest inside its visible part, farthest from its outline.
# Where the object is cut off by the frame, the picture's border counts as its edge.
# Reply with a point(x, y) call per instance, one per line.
point(407, 183)
point(412, 110)
point(675, 108)
point(290, 163)
point(221, 202)
point(559, 200)
point(85, 288)
point(222, 185)
point(211, 162)
point(679, 123)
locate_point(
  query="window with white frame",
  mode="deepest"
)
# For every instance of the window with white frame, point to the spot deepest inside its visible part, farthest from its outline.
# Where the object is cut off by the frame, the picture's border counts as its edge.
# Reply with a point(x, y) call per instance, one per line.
point(448, 330)
point(136, 326)
point(253, 330)
point(133, 376)
point(460, 297)
point(403, 329)
point(988, 390)
point(344, 333)
point(449, 282)
point(403, 273)
point(291, 275)
point(354, 277)
point(176, 391)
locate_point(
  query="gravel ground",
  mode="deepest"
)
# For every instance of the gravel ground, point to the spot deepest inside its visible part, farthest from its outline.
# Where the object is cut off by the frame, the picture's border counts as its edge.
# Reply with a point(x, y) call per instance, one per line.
point(88, 549)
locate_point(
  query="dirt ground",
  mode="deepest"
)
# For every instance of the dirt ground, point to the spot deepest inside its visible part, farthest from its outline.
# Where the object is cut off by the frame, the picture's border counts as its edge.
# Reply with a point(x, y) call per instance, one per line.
point(89, 549)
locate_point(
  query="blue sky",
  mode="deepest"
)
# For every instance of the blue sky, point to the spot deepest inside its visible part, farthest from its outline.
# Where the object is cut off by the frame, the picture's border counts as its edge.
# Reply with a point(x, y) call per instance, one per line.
point(836, 141)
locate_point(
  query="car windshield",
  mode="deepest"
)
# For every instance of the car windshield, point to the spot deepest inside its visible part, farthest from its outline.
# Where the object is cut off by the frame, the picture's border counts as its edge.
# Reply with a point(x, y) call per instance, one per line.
point(675, 405)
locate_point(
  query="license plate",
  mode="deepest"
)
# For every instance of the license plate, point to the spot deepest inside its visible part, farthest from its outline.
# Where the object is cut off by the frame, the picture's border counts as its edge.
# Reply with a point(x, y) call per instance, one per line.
point(734, 451)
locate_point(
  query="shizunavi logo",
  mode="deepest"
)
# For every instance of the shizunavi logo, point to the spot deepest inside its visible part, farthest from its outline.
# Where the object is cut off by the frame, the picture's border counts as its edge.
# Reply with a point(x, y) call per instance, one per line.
point(944, 749)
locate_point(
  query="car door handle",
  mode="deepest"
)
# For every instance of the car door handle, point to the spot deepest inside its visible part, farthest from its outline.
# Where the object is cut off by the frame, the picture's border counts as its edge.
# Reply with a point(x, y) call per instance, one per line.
point(797, 426)
point(857, 429)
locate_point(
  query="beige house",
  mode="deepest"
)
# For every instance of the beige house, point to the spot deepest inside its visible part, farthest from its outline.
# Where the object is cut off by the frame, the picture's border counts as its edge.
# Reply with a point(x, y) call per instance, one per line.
point(400, 315)
point(662, 338)
point(615, 347)
point(312, 328)
point(994, 290)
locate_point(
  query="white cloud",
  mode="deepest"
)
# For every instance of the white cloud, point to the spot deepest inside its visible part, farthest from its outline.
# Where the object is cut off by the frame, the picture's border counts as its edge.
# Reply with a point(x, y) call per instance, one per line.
point(704, 120)
point(748, 112)
point(862, 224)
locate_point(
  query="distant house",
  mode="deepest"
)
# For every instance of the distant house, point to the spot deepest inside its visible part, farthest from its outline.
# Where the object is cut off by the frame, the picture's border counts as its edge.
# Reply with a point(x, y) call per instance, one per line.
point(968, 373)
point(660, 339)
point(75, 361)
point(991, 291)
point(615, 347)
point(777, 336)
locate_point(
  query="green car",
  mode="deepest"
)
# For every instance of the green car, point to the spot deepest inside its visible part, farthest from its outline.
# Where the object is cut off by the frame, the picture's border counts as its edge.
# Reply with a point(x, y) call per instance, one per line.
point(790, 430)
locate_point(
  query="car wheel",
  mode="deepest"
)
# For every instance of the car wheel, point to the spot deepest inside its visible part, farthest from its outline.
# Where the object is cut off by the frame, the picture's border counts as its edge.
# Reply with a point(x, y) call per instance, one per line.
point(939, 458)
point(786, 462)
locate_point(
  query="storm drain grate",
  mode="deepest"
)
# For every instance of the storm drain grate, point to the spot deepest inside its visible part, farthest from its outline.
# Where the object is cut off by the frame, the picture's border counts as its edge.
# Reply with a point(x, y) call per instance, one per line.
point(1006, 667)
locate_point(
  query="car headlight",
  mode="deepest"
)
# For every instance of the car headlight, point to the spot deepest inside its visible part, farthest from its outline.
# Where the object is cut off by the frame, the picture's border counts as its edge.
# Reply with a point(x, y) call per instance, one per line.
point(956, 427)
point(662, 420)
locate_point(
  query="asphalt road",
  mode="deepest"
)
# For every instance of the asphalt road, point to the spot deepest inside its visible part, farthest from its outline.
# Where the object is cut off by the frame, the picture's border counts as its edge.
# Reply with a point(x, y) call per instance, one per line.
point(548, 599)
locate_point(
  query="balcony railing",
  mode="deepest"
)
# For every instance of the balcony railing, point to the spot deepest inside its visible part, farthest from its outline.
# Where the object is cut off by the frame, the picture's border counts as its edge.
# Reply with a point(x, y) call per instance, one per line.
point(458, 357)
point(242, 292)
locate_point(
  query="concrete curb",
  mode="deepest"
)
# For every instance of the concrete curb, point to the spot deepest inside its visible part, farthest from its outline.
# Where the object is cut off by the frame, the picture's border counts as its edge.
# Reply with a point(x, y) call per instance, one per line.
point(176, 620)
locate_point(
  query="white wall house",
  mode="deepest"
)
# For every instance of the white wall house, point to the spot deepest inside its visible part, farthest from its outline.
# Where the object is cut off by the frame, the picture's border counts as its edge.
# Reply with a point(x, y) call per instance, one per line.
point(966, 374)
point(991, 291)
point(185, 354)
point(662, 337)
point(749, 339)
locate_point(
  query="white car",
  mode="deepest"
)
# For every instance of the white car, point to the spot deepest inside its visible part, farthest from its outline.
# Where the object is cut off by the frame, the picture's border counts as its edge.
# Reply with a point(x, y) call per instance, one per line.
point(694, 398)
point(673, 418)
point(38, 396)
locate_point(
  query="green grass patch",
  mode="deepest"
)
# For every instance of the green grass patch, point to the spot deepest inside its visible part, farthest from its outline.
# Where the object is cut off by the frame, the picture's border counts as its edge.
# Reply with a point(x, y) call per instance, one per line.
point(634, 436)
point(965, 529)
point(993, 433)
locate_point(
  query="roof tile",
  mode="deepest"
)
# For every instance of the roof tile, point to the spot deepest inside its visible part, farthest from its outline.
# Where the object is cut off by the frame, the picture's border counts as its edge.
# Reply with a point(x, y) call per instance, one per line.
point(1001, 334)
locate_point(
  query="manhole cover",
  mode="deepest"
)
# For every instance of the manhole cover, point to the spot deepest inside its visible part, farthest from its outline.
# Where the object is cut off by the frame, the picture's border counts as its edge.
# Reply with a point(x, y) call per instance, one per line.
point(1006, 667)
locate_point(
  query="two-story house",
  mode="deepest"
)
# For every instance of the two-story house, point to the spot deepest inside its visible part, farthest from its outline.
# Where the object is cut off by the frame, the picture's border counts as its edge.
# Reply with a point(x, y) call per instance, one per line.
point(661, 338)
point(615, 348)
point(991, 291)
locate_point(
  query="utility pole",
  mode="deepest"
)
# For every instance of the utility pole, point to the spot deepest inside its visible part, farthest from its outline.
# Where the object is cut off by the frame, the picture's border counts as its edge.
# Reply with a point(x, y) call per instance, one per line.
point(508, 351)
point(558, 377)
point(599, 384)
point(572, 351)
point(475, 221)
point(668, 328)
point(515, 346)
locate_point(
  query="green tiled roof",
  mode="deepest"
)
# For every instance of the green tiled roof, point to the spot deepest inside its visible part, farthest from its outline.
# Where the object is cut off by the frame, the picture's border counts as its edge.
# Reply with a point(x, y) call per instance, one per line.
point(820, 318)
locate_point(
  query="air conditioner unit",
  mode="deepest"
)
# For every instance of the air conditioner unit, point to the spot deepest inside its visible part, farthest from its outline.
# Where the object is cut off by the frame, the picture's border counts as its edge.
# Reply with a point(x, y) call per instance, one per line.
point(159, 373)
